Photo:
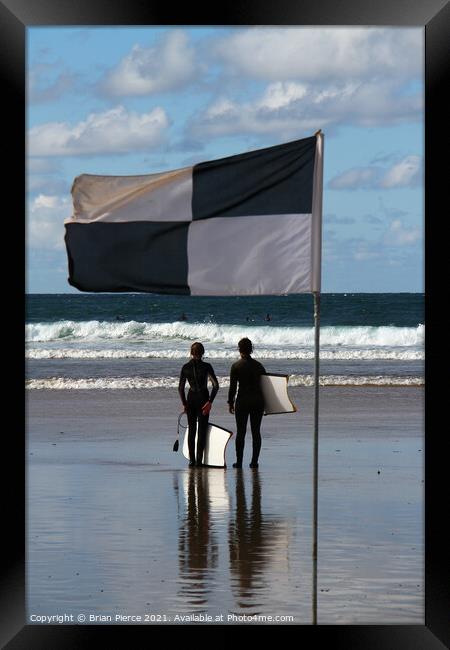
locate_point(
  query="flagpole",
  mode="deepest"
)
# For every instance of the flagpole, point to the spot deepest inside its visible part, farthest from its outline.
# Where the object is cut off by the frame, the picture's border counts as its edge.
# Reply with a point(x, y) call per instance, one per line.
point(316, 447)
point(317, 254)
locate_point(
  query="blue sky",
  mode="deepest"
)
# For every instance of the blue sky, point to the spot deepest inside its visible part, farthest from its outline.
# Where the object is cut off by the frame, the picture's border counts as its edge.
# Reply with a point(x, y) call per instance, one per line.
point(125, 100)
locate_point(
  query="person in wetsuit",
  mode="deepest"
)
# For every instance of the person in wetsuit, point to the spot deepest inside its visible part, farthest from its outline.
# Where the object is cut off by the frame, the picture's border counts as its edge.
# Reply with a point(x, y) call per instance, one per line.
point(249, 402)
point(198, 403)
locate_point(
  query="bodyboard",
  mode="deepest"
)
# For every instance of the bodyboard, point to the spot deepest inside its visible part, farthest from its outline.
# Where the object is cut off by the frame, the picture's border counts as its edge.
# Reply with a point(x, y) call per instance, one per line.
point(217, 439)
point(276, 398)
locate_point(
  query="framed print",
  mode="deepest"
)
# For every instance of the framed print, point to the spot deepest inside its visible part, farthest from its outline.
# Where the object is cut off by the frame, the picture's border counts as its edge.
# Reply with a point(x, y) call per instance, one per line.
point(126, 107)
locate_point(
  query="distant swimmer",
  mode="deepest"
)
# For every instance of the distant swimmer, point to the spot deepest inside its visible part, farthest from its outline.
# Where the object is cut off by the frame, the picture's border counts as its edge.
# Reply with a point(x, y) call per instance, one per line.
point(120, 318)
point(268, 317)
point(183, 316)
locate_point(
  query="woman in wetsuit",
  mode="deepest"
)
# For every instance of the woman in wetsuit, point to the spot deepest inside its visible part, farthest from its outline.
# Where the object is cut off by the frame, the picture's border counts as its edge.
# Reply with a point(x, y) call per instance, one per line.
point(198, 403)
point(249, 402)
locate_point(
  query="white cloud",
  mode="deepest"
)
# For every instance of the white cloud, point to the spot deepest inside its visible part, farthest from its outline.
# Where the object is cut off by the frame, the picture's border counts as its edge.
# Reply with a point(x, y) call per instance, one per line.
point(404, 173)
point(45, 221)
point(144, 71)
point(292, 108)
point(277, 110)
point(356, 178)
point(222, 108)
point(279, 95)
point(114, 131)
point(399, 235)
point(43, 201)
point(319, 53)
point(398, 245)
point(316, 78)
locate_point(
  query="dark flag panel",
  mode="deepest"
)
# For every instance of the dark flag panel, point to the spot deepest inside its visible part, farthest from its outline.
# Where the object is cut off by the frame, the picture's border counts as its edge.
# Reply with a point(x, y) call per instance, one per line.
point(276, 180)
point(135, 256)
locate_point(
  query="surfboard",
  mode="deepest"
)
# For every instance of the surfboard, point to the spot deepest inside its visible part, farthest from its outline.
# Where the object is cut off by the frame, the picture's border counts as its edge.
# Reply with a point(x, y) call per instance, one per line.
point(217, 439)
point(276, 398)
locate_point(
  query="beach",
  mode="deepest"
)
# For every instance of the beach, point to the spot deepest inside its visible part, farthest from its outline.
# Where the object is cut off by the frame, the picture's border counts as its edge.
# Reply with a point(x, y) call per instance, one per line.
point(118, 526)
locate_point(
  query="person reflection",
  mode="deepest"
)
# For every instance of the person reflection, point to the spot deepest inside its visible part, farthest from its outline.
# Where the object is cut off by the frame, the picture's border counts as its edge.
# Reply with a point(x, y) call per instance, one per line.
point(198, 549)
point(249, 536)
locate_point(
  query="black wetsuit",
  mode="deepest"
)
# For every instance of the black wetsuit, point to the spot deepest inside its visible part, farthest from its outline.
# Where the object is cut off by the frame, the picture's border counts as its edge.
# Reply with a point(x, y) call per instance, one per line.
point(249, 402)
point(196, 372)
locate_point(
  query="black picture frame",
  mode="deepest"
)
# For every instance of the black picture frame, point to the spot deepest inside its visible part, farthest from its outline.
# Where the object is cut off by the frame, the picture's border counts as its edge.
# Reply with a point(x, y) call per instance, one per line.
point(434, 16)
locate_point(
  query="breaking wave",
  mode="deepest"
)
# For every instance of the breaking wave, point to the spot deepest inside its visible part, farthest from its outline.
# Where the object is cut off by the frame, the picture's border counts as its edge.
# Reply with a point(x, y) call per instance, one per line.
point(126, 383)
point(352, 337)
point(264, 353)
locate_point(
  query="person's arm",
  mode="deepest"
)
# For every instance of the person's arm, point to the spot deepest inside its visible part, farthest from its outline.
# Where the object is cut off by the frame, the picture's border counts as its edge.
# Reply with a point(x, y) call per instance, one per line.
point(206, 408)
point(181, 386)
point(214, 382)
point(232, 389)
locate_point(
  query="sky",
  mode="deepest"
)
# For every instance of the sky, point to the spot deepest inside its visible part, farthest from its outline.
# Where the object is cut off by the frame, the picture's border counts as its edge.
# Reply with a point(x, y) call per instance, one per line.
point(140, 100)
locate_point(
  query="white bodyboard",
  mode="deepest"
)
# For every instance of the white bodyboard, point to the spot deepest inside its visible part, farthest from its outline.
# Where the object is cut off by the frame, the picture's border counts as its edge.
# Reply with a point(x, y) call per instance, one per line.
point(216, 442)
point(276, 398)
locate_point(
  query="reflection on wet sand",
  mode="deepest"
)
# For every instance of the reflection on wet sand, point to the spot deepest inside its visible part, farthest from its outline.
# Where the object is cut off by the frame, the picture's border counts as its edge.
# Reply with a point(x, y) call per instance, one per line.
point(198, 547)
point(228, 548)
point(256, 541)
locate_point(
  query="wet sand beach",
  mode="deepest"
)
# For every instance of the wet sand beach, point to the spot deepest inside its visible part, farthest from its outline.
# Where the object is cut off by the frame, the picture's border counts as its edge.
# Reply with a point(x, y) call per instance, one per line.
point(117, 525)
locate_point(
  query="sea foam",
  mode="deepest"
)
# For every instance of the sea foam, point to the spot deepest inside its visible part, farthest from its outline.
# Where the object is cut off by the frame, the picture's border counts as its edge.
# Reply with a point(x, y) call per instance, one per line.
point(127, 383)
point(217, 353)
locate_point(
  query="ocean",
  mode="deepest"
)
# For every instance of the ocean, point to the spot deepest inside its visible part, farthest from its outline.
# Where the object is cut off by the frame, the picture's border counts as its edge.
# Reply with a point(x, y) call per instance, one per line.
point(118, 524)
point(136, 340)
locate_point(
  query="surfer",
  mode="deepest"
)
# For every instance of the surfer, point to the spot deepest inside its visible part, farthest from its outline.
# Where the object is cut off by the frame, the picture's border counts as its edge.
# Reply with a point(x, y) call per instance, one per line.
point(198, 404)
point(249, 402)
